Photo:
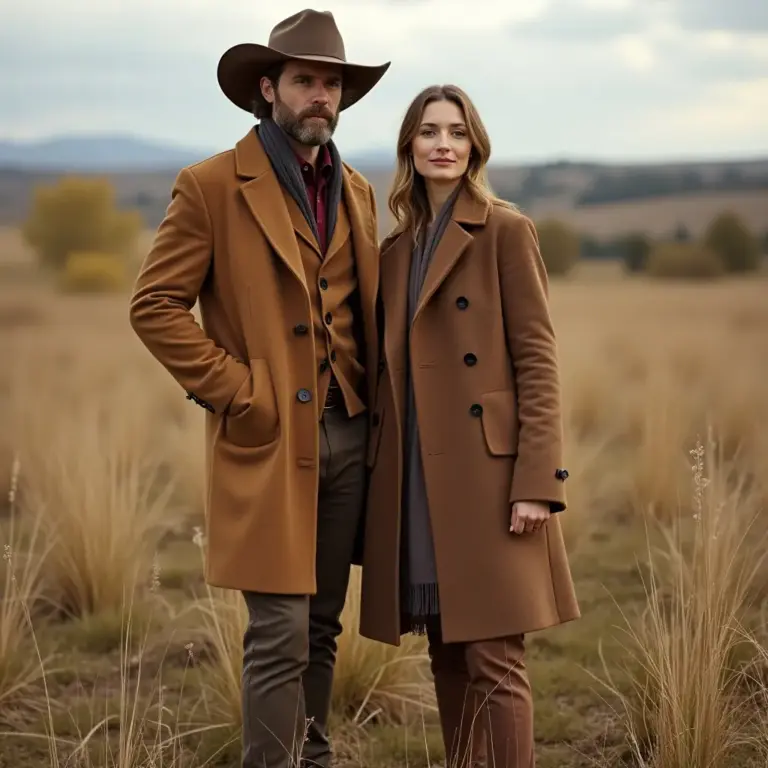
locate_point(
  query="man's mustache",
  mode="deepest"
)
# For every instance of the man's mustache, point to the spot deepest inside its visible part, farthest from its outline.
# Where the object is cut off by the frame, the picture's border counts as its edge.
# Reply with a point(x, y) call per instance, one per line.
point(317, 112)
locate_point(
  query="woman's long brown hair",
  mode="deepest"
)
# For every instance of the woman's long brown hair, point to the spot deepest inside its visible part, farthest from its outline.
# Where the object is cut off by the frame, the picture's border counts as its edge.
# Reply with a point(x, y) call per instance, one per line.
point(408, 197)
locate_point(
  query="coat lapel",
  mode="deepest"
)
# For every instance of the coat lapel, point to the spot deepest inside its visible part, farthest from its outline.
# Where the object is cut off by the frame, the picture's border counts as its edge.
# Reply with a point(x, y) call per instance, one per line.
point(454, 242)
point(366, 248)
point(264, 197)
point(300, 225)
point(395, 268)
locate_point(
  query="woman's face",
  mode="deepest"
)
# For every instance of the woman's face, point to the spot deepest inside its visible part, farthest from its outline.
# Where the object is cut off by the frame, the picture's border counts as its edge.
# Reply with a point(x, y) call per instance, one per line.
point(441, 147)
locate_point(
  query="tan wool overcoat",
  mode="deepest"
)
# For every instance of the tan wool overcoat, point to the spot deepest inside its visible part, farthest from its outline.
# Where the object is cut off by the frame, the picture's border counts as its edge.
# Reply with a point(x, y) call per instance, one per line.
point(228, 239)
point(485, 375)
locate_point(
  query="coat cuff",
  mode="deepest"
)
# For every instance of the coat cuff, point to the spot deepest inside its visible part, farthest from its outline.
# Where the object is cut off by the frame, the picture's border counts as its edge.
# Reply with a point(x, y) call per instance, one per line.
point(215, 394)
point(540, 483)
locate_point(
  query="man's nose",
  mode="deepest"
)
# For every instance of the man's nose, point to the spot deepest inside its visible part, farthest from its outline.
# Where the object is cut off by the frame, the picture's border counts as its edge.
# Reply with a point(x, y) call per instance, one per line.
point(321, 97)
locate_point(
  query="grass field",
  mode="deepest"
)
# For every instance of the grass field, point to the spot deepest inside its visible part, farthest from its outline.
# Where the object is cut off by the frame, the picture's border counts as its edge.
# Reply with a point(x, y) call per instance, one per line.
point(114, 653)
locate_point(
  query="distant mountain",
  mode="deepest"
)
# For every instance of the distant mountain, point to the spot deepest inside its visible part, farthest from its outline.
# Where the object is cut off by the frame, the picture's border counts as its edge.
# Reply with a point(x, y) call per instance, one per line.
point(124, 152)
point(97, 153)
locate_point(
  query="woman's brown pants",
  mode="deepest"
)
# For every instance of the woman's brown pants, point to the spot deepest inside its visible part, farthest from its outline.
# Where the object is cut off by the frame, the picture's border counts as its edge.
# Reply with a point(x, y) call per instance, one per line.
point(484, 697)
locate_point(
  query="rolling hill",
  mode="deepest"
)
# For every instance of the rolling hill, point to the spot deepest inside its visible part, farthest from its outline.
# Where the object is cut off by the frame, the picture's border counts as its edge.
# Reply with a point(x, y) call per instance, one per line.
point(602, 200)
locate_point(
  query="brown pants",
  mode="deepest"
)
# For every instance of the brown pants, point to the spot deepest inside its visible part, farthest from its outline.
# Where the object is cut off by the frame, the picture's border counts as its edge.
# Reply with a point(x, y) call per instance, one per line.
point(290, 641)
point(484, 698)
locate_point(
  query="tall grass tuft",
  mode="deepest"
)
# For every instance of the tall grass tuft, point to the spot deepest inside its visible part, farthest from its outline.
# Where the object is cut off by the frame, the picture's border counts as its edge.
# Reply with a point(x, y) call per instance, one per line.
point(24, 553)
point(103, 496)
point(682, 709)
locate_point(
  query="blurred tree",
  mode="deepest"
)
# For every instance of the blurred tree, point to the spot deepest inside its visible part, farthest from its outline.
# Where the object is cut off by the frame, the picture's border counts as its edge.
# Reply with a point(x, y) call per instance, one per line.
point(682, 234)
point(635, 249)
point(560, 246)
point(684, 261)
point(729, 237)
point(79, 214)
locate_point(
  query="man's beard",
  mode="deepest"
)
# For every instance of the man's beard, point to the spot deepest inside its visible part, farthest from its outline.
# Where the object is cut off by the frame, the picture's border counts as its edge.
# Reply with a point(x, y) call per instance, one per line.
point(312, 133)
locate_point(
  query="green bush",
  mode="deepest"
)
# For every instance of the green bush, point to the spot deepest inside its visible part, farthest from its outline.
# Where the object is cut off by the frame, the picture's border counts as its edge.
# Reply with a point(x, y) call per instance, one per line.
point(93, 273)
point(560, 246)
point(79, 215)
point(731, 240)
point(634, 249)
point(678, 260)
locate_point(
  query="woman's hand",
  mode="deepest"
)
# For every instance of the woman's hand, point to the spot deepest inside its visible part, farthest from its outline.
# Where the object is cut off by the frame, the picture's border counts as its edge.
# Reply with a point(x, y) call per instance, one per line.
point(528, 516)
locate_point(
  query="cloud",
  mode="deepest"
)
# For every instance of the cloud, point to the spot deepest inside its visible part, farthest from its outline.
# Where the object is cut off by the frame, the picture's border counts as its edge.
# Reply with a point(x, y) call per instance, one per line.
point(551, 77)
point(575, 21)
point(747, 16)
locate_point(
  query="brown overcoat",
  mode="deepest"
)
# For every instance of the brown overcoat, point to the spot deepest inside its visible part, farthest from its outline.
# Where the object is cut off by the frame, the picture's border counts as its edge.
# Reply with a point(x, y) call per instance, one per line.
point(229, 240)
point(486, 382)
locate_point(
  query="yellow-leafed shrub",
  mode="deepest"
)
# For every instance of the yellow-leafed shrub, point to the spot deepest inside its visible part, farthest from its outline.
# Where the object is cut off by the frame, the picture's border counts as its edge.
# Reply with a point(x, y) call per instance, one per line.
point(93, 273)
point(77, 215)
point(684, 261)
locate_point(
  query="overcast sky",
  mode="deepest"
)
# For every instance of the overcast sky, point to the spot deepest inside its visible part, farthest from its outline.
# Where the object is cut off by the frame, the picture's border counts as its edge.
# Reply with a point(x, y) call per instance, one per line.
point(608, 79)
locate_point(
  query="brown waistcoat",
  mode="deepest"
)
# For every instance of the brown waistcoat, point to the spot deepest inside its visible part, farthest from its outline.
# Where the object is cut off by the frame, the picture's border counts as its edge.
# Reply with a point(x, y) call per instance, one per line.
point(332, 285)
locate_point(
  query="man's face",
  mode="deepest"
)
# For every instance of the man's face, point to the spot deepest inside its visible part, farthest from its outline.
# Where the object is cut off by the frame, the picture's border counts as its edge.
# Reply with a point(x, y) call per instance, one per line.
point(305, 103)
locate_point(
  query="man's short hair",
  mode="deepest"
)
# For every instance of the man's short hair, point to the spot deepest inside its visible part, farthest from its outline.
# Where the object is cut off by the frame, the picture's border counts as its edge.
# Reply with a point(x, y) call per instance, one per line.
point(261, 107)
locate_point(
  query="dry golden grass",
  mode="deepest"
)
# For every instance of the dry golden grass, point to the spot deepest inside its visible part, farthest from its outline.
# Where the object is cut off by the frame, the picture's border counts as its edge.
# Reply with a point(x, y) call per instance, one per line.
point(111, 463)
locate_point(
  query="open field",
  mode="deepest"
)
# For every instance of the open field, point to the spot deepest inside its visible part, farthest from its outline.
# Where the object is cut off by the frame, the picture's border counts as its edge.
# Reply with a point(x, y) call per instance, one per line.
point(102, 456)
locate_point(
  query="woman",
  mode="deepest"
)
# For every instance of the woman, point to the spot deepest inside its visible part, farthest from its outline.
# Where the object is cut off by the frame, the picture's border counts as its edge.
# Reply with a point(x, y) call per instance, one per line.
point(462, 542)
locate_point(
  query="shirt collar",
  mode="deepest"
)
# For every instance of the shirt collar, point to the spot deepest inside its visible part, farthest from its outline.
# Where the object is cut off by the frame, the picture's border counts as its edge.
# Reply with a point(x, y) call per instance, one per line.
point(325, 164)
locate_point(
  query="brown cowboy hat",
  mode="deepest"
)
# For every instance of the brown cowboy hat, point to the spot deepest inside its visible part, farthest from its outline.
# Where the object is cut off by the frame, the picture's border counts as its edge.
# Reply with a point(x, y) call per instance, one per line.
point(306, 36)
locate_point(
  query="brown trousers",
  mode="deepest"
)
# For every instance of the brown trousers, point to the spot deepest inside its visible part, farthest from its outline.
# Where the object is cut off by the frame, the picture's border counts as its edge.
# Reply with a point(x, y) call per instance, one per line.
point(290, 641)
point(485, 703)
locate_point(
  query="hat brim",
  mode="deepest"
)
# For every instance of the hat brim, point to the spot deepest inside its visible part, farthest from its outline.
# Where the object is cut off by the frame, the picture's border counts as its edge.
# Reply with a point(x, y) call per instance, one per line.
point(242, 67)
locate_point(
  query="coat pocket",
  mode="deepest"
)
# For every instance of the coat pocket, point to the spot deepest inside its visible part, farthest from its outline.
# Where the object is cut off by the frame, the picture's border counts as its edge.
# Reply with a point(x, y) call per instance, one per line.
point(252, 419)
point(500, 422)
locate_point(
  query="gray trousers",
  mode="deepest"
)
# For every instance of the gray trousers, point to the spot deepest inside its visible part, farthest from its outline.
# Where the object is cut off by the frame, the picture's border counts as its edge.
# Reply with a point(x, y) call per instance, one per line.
point(290, 642)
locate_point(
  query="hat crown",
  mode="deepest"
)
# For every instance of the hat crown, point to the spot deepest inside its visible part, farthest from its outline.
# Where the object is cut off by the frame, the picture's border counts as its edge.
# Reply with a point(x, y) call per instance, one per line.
point(308, 33)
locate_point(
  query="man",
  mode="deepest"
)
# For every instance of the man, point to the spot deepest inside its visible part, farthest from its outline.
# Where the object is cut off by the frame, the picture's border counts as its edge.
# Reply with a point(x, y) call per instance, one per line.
point(277, 239)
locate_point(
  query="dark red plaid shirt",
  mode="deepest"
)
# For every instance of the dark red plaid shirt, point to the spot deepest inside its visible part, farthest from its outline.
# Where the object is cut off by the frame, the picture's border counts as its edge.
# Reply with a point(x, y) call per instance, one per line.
point(317, 189)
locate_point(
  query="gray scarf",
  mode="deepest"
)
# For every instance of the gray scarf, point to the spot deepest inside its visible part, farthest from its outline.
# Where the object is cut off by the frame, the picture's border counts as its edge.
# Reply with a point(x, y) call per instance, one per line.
point(286, 167)
point(421, 603)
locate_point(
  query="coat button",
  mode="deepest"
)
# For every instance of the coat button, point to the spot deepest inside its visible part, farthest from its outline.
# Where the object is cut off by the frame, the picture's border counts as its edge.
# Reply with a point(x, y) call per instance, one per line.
point(328, 318)
point(562, 475)
point(323, 283)
point(476, 410)
point(462, 302)
point(333, 355)
point(300, 329)
point(470, 359)
point(323, 365)
point(303, 395)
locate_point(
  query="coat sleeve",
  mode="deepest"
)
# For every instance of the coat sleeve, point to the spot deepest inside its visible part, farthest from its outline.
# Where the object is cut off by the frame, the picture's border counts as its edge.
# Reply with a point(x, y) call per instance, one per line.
point(538, 474)
point(165, 292)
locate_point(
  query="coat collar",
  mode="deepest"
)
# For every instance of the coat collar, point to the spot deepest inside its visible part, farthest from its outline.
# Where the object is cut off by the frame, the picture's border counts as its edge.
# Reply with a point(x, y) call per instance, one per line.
point(266, 202)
